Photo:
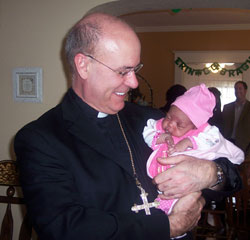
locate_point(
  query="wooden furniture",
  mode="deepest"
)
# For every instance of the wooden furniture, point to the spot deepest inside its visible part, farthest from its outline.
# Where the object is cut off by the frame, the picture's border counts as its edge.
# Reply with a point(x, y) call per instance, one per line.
point(215, 223)
point(241, 205)
point(232, 221)
point(9, 178)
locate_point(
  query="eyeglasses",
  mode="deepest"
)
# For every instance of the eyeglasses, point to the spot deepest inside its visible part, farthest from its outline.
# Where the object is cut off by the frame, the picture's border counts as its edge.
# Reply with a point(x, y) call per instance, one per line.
point(123, 73)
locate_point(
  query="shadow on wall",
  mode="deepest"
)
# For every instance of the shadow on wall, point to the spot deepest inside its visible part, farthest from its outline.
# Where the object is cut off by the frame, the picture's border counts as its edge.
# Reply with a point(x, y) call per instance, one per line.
point(65, 65)
point(11, 149)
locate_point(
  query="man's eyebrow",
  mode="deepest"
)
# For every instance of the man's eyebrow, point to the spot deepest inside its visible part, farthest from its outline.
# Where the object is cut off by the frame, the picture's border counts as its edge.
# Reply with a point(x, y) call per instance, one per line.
point(125, 68)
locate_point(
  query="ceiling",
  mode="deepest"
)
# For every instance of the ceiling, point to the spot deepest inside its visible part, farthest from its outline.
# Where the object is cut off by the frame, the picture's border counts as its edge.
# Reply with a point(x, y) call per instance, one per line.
point(181, 15)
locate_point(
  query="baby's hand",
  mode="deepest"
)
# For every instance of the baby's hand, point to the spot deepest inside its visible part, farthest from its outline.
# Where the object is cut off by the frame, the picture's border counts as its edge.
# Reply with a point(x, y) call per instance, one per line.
point(181, 146)
point(161, 139)
point(165, 138)
point(169, 140)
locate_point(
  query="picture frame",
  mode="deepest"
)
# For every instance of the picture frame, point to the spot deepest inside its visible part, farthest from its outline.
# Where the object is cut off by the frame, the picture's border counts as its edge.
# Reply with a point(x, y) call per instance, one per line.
point(27, 84)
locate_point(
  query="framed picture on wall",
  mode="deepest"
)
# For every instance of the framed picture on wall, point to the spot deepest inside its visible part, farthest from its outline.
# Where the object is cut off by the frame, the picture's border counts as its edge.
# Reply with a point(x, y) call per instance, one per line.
point(27, 84)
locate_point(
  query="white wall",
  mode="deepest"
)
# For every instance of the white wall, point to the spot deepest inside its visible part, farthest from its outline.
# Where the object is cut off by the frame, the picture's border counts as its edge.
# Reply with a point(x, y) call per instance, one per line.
point(31, 34)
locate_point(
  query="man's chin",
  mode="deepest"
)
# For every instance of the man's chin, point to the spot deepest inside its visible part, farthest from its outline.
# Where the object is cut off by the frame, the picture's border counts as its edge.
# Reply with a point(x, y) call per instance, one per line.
point(117, 108)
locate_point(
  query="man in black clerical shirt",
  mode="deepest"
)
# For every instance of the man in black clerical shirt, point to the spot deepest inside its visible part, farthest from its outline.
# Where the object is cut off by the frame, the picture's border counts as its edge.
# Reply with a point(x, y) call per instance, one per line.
point(85, 180)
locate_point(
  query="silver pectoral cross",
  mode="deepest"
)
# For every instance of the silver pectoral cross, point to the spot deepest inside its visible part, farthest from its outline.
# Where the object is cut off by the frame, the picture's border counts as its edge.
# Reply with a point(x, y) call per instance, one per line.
point(146, 205)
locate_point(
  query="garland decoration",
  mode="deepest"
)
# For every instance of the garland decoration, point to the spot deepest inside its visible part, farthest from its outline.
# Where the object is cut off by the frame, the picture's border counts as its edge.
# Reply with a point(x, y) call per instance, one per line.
point(176, 10)
point(214, 66)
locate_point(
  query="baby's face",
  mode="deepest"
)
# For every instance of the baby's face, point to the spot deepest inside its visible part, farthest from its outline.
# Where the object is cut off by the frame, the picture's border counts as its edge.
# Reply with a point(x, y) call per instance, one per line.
point(176, 122)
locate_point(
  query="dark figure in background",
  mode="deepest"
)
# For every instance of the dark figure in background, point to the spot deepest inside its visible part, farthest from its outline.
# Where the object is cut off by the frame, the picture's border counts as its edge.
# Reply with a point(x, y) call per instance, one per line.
point(135, 96)
point(236, 116)
point(171, 94)
point(216, 119)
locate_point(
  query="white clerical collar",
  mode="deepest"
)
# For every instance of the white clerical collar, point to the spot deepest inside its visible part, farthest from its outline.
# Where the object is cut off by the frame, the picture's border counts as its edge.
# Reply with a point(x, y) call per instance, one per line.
point(102, 115)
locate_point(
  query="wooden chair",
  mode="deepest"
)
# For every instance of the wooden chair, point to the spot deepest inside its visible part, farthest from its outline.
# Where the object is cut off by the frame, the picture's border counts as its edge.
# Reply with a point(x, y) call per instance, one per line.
point(9, 178)
point(241, 205)
point(215, 223)
point(235, 215)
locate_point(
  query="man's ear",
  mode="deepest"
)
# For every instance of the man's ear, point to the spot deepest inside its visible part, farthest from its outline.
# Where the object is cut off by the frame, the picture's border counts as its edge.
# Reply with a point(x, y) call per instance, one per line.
point(81, 63)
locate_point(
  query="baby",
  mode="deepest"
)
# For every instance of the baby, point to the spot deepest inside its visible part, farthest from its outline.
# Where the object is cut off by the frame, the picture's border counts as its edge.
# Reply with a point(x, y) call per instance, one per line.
point(185, 130)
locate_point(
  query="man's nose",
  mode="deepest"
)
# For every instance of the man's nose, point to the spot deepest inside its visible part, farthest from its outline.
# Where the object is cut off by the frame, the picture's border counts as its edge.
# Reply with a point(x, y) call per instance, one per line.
point(131, 80)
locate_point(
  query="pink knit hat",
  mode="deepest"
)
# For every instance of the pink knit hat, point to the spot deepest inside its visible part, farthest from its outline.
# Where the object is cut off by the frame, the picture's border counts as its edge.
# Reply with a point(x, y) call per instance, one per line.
point(197, 103)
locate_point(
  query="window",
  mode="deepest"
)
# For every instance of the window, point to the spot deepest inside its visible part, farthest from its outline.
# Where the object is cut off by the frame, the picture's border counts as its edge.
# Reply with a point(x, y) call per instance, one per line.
point(225, 84)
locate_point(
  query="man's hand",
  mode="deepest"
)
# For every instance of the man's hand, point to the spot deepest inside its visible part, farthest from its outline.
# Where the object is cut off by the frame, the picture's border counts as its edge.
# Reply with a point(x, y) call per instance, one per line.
point(189, 175)
point(186, 214)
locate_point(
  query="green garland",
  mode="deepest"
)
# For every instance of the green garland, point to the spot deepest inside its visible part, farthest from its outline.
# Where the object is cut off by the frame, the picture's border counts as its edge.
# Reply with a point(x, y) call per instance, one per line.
point(215, 66)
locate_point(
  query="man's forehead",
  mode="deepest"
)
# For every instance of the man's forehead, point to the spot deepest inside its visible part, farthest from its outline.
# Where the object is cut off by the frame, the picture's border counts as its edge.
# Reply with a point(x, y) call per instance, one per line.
point(110, 44)
point(239, 85)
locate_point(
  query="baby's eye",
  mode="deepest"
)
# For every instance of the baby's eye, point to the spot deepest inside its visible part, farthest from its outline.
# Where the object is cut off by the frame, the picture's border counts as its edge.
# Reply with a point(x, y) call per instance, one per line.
point(180, 126)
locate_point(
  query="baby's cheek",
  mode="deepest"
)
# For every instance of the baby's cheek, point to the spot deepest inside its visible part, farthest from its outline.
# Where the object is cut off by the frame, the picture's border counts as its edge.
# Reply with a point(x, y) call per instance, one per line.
point(164, 124)
point(177, 133)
